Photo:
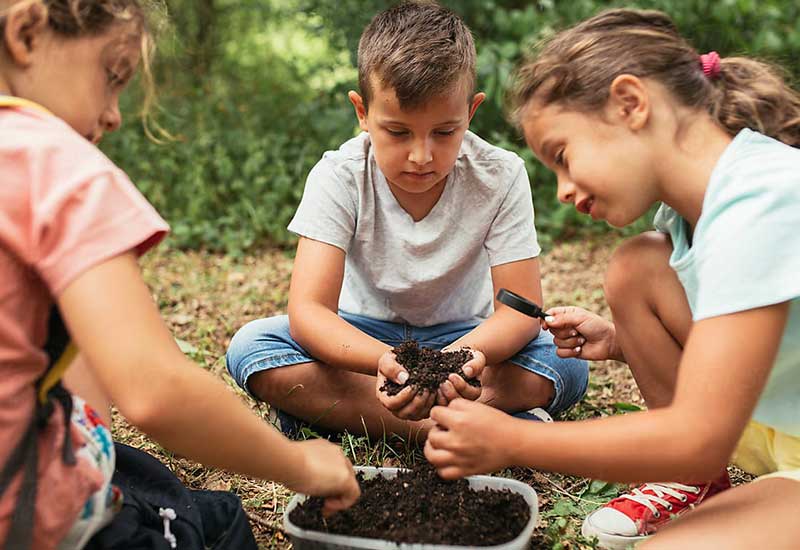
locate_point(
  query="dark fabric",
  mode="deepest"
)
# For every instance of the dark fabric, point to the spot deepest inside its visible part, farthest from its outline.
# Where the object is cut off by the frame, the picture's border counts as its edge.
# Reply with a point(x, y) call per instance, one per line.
point(25, 456)
point(206, 520)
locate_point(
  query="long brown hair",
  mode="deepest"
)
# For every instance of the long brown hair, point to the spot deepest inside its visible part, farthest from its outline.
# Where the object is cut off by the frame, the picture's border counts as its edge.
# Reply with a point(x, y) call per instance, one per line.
point(577, 66)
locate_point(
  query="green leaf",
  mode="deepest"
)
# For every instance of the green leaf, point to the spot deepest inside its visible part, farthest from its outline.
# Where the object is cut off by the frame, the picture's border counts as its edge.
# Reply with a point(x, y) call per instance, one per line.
point(626, 407)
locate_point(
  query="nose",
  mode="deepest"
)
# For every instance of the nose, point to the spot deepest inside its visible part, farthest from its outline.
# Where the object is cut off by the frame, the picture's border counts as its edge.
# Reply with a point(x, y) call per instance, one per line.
point(421, 152)
point(566, 190)
point(111, 119)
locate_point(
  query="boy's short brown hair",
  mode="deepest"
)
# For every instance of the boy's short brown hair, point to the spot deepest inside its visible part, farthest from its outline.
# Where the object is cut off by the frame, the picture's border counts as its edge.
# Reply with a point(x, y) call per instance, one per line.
point(418, 48)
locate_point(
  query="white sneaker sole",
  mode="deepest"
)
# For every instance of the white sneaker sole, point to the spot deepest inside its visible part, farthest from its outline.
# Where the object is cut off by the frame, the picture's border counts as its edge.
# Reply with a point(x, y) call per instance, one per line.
point(608, 540)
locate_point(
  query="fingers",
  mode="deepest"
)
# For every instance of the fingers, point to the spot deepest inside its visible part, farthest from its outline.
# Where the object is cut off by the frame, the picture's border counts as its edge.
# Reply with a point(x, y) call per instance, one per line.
point(419, 407)
point(474, 367)
point(458, 387)
point(569, 352)
point(391, 369)
point(348, 496)
point(565, 317)
point(397, 402)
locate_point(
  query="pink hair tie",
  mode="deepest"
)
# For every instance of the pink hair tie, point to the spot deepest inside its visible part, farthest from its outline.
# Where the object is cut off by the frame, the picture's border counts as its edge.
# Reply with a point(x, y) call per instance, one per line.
point(711, 64)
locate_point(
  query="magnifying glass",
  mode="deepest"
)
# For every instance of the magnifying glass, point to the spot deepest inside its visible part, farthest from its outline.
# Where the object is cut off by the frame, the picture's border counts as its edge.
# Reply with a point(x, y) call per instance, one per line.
point(517, 302)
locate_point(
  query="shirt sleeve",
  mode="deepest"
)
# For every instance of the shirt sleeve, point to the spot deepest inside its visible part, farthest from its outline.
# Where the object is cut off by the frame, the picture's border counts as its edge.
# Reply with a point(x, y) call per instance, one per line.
point(84, 213)
point(748, 252)
point(512, 235)
point(327, 211)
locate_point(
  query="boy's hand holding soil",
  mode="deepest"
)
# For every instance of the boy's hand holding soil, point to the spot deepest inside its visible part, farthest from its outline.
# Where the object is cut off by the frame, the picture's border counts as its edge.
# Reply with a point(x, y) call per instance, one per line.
point(423, 386)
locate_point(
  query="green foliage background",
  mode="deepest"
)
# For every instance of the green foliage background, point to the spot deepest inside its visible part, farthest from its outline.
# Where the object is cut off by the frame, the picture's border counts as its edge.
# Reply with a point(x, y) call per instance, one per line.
point(254, 92)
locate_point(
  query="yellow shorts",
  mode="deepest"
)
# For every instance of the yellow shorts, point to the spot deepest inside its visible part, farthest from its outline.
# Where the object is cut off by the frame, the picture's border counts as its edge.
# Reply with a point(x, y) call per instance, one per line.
point(768, 453)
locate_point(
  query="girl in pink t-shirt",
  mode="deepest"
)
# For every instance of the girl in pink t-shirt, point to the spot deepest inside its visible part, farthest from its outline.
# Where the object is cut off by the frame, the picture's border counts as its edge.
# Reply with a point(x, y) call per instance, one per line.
point(71, 228)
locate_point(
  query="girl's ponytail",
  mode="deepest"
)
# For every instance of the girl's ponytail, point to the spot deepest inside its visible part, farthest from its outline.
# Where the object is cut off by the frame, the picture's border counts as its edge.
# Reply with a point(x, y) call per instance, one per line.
point(752, 94)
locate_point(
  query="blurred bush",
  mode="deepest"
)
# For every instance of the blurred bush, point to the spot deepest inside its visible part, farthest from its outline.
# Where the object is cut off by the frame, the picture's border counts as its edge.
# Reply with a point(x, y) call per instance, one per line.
point(254, 92)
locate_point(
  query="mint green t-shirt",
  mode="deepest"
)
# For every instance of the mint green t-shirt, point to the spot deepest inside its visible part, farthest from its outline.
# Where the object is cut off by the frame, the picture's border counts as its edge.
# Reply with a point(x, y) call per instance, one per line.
point(745, 253)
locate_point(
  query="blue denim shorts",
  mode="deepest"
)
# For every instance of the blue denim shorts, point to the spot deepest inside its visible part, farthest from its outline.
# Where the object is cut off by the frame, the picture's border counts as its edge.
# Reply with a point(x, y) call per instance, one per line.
point(266, 344)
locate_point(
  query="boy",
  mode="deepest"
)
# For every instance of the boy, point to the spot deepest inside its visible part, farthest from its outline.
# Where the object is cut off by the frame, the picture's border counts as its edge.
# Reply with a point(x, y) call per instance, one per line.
point(408, 231)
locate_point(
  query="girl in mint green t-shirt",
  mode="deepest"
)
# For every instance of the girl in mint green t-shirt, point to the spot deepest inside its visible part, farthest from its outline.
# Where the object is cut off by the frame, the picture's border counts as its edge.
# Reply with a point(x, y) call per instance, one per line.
point(706, 310)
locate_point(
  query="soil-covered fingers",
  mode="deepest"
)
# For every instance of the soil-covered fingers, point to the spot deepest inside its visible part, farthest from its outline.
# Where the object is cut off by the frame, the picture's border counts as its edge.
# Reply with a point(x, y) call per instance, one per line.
point(389, 368)
point(419, 407)
point(397, 402)
point(329, 475)
point(455, 386)
point(474, 367)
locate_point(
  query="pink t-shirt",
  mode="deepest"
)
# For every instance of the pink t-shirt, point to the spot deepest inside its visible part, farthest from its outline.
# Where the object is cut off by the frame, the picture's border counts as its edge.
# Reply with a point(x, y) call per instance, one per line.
point(64, 208)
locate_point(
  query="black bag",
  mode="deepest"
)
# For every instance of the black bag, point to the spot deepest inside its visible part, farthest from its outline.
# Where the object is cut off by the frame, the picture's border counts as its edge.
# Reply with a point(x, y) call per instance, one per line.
point(195, 519)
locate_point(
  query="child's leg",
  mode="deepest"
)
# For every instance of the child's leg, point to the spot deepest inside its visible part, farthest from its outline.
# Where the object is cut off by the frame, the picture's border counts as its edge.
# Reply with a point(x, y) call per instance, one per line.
point(535, 377)
point(80, 380)
point(762, 514)
point(652, 319)
point(265, 361)
point(332, 398)
point(651, 314)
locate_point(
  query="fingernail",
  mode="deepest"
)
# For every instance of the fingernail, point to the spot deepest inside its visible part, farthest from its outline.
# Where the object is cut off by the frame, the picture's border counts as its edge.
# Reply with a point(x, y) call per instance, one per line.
point(549, 319)
point(578, 349)
point(468, 371)
point(581, 340)
point(402, 377)
point(573, 333)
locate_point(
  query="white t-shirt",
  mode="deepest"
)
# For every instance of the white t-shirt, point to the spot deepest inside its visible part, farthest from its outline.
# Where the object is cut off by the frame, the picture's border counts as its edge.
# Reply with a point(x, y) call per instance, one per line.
point(432, 271)
point(745, 254)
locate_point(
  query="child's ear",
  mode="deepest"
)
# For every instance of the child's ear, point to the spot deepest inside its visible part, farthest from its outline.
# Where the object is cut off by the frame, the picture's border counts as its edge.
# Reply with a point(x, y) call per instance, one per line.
point(361, 110)
point(629, 101)
point(24, 25)
point(477, 99)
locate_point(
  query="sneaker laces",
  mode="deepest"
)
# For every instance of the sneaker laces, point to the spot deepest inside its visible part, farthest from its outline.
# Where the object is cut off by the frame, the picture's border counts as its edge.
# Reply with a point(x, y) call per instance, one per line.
point(657, 493)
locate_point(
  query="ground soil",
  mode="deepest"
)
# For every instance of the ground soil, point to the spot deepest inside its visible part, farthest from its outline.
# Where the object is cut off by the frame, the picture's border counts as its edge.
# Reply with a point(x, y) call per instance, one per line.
point(427, 368)
point(419, 507)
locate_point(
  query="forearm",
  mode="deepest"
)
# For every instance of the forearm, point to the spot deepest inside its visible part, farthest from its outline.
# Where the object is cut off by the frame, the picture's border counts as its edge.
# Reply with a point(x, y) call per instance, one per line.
point(500, 336)
point(638, 447)
point(217, 429)
point(334, 341)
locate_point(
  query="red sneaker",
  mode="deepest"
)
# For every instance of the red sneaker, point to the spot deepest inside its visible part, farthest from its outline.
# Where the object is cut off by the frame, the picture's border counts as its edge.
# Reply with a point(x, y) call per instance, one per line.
point(633, 517)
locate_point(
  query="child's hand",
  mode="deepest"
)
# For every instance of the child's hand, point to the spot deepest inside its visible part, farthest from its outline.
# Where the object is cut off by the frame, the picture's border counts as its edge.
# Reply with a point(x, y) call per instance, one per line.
point(329, 474)
point(455, 386)
point(409, 404)
point(469, 438)
point(580, 333)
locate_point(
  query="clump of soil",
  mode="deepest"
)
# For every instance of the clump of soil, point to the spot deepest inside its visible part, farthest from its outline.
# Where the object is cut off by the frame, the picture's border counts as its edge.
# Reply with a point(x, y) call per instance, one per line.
point(420, 507)
point(428, 368)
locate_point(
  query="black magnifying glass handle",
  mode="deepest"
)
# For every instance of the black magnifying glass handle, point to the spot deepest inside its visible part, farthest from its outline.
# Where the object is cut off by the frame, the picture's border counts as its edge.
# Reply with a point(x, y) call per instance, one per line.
point(523, 305)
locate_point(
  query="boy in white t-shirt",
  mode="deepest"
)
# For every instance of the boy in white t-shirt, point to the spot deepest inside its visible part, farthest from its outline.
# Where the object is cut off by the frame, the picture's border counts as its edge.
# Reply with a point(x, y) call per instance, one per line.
point(407, 232)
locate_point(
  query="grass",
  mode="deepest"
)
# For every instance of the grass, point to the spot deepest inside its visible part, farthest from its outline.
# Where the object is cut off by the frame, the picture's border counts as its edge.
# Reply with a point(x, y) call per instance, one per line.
point(205, 298)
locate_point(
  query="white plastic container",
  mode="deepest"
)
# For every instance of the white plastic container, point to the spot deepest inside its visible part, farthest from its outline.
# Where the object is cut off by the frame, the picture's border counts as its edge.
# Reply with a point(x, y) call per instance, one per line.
point(303, 539)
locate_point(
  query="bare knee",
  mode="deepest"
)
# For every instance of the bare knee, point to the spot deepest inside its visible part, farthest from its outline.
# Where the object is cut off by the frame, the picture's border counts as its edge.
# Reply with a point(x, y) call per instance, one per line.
point(633, 267)
point(512, 388)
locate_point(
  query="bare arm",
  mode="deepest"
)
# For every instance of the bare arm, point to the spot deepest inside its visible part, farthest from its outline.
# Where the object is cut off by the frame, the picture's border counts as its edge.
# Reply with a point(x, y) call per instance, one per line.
point(507, 331)
point(112, 318)
point(723, 370)
point(313, 311)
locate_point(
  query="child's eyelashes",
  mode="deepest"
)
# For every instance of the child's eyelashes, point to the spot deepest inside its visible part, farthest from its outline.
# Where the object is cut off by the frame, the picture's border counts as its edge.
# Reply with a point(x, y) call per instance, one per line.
point(116, 79)
point(559, 158)
point(404, 133)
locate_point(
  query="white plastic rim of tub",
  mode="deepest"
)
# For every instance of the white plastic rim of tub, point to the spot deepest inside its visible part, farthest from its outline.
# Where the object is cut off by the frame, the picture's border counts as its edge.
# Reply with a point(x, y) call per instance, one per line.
point(520, 542)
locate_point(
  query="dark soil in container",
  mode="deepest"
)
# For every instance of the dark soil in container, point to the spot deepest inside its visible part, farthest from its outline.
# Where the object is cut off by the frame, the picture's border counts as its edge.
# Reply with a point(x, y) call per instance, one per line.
point(419, 507)
point(427, 368)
